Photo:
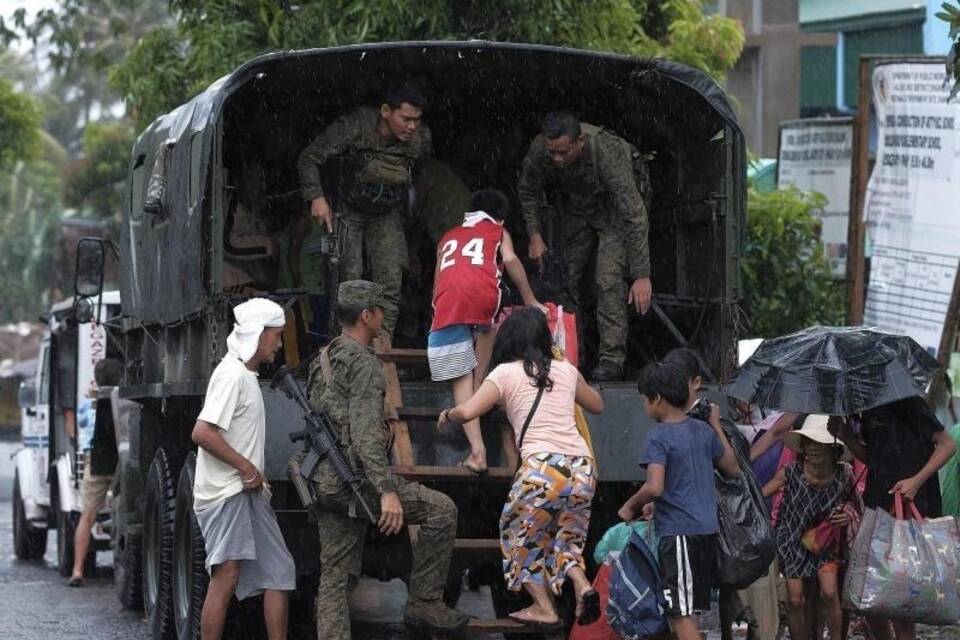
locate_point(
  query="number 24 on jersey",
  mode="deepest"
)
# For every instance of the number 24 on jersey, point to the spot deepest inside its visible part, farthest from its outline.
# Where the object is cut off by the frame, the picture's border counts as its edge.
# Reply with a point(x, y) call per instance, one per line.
point(472, 249)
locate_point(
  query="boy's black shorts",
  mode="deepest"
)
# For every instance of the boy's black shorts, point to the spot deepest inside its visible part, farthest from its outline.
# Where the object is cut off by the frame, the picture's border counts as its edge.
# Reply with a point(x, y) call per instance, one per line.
point(687, 566)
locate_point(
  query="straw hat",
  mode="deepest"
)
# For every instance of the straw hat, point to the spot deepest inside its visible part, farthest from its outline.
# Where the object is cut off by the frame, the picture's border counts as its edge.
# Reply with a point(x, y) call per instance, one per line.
point(814, 428)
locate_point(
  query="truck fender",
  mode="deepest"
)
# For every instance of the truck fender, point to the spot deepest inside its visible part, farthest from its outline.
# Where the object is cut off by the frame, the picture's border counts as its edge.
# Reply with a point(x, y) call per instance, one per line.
point(36, 498)
point(68, 495)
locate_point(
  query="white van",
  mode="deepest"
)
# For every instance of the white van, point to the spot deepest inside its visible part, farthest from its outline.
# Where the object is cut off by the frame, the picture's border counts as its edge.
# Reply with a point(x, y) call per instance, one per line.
point(49, 468)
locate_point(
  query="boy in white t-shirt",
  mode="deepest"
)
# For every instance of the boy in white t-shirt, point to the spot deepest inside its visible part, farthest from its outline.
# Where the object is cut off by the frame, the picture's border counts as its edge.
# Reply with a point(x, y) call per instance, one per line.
point(246, 554)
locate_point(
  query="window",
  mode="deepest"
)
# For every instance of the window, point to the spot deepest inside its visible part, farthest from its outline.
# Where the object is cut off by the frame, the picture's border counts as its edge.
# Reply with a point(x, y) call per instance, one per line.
point(196, 162)
point(43, 394)
point(905, 39)
point(136, 188)
point(818, 77)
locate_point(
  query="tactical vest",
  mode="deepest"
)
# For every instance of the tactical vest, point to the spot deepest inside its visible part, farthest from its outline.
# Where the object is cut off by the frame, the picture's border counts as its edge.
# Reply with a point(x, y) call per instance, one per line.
point(377, 181)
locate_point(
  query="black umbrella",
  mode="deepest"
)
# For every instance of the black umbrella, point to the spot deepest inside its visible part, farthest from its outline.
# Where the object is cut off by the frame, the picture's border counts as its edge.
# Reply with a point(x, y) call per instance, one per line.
point(833, 370)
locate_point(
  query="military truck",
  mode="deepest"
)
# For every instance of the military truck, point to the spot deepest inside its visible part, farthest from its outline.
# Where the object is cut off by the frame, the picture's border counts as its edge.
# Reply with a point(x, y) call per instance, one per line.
point(222, 166)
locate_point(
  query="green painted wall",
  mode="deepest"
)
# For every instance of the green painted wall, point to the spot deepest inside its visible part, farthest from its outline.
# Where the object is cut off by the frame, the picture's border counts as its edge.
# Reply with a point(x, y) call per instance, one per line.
point(906, 39)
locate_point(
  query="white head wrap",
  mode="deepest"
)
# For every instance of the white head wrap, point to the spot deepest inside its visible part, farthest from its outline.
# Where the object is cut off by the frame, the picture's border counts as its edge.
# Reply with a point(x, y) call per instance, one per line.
point(252, 316)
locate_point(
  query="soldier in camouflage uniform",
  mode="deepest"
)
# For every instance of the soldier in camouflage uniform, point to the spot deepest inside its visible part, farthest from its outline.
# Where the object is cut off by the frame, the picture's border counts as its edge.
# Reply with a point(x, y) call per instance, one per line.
point(603, 215)
point(352, 390)
point(378, 150)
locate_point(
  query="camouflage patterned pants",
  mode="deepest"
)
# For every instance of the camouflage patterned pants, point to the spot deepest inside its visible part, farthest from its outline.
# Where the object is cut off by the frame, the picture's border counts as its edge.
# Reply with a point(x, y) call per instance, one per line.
point(381, 239)
point(341, 549)
point(606, 247)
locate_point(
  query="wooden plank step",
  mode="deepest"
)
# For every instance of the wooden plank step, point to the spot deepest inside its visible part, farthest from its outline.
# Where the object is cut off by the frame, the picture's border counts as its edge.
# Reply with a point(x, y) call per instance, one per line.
point(479, 626)
point(423, 473)
point(476, 544)
point(432, 413)
point(403, 355)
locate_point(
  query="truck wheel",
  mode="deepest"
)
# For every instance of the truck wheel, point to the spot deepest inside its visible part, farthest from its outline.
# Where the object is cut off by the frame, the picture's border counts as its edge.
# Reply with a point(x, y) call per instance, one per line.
point(127, 574)
point(66, 528)
point(29, 542)
point(159, 507)
point(189, 558)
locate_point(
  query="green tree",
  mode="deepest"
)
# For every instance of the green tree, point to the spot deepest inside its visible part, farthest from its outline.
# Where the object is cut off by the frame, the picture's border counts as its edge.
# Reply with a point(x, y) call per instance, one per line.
point(212, 37)
point(787, 282)
point(29, 216)
point(19, 122)
point(951, 15)
point(93, 184)
point(82, 40)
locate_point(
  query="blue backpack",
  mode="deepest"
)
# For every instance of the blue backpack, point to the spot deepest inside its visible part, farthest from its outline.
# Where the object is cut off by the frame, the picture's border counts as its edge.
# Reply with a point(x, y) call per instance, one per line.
point(636, 607)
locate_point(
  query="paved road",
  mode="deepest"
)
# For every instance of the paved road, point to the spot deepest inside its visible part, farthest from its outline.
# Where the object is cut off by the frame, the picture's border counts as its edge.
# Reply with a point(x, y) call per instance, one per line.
point(36, 604)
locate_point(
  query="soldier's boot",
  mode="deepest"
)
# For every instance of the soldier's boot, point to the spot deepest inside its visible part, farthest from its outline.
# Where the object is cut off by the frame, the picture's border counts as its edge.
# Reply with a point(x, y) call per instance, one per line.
point(607, 371)
point(433, 614)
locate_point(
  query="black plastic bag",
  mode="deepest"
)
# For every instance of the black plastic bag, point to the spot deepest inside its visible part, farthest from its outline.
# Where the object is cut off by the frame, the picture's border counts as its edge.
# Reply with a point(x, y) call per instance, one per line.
point(745, 544)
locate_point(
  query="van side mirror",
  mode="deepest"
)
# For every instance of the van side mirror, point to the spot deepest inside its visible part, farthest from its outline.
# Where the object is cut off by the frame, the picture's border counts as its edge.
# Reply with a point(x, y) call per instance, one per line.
point(88, 277)
point(27, 395)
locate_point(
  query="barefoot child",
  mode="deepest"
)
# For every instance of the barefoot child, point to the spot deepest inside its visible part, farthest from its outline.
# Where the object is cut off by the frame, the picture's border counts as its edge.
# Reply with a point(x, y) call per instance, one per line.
point(680, 454)
point(466, 298)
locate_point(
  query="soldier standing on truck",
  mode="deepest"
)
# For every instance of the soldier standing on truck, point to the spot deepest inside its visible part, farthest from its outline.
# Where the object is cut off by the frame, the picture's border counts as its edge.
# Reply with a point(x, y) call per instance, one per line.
point(603, 217)
point(346, 380)
point(378, 150)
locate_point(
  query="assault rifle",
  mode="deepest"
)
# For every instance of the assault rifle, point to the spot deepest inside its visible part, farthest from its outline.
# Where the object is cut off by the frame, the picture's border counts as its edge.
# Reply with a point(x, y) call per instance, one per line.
point(323, 442)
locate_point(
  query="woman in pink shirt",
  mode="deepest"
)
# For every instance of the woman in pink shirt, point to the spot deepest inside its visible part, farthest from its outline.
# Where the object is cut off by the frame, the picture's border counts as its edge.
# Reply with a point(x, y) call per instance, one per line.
point(544, 522)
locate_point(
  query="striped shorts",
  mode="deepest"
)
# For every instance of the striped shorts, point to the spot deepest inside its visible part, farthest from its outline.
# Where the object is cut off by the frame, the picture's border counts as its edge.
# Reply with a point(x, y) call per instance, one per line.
point(450, 352)
point(687, 566)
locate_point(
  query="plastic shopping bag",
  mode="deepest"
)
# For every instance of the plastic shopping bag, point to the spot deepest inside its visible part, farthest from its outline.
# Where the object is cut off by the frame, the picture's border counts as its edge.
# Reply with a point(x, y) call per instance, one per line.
point(745, 543)
point(905, 569)
point(615, 539)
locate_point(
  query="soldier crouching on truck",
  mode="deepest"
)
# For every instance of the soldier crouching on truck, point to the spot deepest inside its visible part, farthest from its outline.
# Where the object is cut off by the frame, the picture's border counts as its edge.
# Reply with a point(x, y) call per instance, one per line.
point(246, 554)
point(603, 217)
point(378, 150)
point(347, 381)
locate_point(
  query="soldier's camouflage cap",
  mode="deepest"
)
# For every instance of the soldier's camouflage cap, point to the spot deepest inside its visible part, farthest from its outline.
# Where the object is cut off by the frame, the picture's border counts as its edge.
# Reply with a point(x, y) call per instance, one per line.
point(360, 293)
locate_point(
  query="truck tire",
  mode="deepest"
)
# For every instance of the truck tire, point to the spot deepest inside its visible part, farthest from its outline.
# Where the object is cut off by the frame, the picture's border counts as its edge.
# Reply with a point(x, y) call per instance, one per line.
point(127, 570)
point(189, 558)
point(29, 542)
point(159, 508)
point(66, 528)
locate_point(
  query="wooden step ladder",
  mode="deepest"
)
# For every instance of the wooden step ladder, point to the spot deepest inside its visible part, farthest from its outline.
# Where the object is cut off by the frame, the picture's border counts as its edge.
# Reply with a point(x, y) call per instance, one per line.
point(404, 463)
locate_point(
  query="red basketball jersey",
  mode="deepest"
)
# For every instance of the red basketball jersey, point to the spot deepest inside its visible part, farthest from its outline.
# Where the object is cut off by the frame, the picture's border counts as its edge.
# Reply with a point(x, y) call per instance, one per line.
point(467, 290)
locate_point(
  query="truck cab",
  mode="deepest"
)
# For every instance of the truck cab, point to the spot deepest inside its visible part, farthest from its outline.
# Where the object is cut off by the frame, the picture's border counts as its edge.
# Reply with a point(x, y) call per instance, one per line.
point(49, 466)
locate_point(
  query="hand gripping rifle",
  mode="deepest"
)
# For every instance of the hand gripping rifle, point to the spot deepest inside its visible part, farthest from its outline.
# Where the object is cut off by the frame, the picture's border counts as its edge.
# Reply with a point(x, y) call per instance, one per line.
point(322, 440)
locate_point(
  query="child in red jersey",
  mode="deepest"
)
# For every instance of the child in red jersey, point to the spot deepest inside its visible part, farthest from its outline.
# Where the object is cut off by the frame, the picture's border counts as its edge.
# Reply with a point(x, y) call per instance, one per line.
point(466, 299)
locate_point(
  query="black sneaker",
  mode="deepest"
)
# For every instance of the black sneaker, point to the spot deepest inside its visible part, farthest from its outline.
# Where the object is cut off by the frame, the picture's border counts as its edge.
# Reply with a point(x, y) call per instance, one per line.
point(607, 371)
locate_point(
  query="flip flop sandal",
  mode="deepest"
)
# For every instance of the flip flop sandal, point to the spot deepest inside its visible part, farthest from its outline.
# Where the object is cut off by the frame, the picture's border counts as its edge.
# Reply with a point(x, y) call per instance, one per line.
point(590, 607)
point(75, 582)
point(518, 616)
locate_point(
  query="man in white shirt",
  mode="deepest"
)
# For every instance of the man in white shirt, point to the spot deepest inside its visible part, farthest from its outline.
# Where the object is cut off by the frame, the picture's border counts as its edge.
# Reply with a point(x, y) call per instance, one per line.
point(246, 554)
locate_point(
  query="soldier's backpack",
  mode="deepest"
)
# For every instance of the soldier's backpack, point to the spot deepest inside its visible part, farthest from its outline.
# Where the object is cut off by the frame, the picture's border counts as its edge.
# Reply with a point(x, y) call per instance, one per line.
point(640, 162)
point(636, 606)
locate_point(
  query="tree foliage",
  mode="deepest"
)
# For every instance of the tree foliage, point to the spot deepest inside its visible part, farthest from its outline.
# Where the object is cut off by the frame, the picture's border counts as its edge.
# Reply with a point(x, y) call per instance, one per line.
point(787, 281)
point(212, 37)
point(94, 182)
point(951, 15)
point(19, 121)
